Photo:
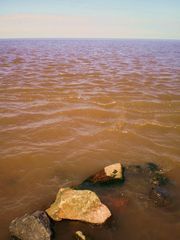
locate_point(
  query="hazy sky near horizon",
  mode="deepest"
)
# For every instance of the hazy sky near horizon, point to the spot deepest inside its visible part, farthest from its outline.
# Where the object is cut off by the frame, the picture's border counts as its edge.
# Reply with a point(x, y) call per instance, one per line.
point(90, 18)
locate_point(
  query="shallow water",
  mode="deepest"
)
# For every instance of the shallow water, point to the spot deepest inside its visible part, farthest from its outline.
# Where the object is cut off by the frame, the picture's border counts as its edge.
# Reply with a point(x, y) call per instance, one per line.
point(70, 107)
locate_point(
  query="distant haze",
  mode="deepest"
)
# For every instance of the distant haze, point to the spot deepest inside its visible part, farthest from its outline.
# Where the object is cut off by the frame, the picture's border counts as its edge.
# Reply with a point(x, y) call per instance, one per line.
point(90, 18)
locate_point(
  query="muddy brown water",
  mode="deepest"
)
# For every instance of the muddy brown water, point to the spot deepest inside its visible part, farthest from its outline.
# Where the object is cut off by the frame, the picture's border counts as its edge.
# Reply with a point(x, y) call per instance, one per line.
point(70, 107)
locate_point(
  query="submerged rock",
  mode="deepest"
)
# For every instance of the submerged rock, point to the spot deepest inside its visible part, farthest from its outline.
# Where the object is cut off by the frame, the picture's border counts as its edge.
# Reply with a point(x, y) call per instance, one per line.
point(156, 174)
point(31, 227)
point(159, 179)
point(160, 197)
point(150, 172)
point(154, 180)
point(152, 167)
point(83, 205)
point(110, 173)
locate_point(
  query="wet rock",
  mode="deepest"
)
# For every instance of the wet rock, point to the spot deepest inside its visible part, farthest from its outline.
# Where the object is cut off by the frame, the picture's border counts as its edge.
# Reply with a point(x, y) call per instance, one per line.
point(159, 179)
point(80, 236)
point(152, 167)
point(31, 227)
point(160, 197)
point(83, 205)
point(151, 180)
point(156, 175)
point(111, 173)
point(149, 171)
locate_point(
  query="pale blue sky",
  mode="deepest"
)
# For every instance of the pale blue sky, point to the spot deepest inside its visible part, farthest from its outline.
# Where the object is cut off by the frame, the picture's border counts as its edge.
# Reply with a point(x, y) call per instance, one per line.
point(90, 18)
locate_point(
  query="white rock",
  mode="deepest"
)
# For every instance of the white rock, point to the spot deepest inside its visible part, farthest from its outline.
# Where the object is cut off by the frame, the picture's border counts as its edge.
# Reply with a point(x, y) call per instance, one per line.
point(114, 171)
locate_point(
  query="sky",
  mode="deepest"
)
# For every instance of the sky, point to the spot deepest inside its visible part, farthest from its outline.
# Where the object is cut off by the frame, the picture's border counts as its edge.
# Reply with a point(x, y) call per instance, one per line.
point(159, 19)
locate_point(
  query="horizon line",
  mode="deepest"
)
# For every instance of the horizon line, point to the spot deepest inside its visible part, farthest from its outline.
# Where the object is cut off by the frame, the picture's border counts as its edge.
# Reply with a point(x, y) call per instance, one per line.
point(90, 38)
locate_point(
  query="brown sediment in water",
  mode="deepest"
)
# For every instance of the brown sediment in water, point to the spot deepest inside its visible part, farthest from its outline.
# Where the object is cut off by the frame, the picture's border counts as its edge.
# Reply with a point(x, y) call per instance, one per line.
point(69, 108)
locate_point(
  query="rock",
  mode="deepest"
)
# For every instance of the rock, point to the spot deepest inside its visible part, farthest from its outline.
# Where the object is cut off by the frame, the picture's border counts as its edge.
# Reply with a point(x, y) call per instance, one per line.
point(150, 179)
point(160, 197)
point(83, 205)
point(159, 179)
point(110, 173)
point(149, 171)
point(152, 167)
point(31, 227)
point(156, 175)
point(80, 236)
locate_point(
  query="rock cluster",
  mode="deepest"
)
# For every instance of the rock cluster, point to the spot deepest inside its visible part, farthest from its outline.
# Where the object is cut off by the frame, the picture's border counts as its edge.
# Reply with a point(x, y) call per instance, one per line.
point(82, 204)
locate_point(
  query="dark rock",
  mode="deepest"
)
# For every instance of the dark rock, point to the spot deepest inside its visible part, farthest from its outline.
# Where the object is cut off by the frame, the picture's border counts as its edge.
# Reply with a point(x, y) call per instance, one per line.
point(159, 179)
point(31, 227)
point(149, 176)
point(152, 167)
point(43, 218)
point(149, 171)
point(156, 175)
point(146, 169)
point(160, 197)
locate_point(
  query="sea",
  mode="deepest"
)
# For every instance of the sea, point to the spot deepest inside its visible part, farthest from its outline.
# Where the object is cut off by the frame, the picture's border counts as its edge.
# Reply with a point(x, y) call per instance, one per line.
point(69, 107)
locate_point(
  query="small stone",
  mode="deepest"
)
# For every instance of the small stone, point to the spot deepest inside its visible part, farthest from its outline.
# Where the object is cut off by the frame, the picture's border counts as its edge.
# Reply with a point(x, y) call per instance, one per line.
point(82, 205)
point(31, 227)
point(80, 236)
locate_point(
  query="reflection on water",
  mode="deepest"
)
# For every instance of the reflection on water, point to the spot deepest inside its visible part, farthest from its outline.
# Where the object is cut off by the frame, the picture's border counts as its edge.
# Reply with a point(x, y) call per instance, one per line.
point(70, 107)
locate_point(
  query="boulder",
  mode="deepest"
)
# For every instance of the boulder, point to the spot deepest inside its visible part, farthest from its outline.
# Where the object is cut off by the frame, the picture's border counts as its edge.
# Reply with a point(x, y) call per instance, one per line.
point(111, 173)
point(83, 205)
point(31, 227)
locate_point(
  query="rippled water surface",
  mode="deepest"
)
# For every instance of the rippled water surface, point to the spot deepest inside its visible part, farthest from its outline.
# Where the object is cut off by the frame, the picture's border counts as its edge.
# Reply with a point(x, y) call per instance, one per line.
point(70, 107)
